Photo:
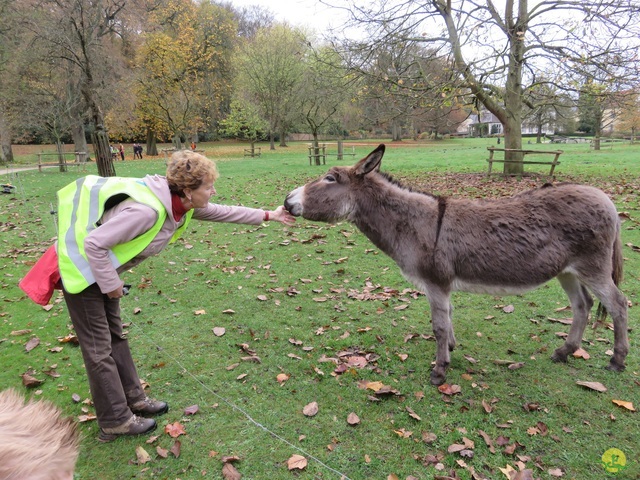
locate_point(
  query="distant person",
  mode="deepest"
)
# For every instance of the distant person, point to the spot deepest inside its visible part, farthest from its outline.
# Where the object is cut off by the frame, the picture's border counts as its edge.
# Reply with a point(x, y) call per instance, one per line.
point(36, 441)
point(121, 150)
point(114, 153)
point(137, 151)
point(193, 146)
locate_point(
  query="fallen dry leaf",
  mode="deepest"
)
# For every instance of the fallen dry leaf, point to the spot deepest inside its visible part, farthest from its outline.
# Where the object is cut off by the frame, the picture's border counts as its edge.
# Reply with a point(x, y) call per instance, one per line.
point(310, 409)
point(353, 419)
point(229, 472)
point(580, 353)
point(375, 386)
point(456, 447)
point(449, 389)
point(556, 472)
point(508, 471)
point(175, 449)
point(30, 381)
point(487, 440)
point(86, 418)
point(282, 377)
point(413, 414)
point(526, 474)
point(174, 429)
point(219, 331)
point(297, 462)
point(597, 386)
point(142, 456)
point(162, 452)
point(199, 312)
point(32, 343)
point(230, 459)
point(192, 410)
point(403, 433)
point(624, 404)
point(17, 333)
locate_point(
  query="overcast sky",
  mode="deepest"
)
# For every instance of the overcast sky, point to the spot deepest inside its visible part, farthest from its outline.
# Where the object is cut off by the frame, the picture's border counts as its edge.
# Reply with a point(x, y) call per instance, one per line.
point(305, 13)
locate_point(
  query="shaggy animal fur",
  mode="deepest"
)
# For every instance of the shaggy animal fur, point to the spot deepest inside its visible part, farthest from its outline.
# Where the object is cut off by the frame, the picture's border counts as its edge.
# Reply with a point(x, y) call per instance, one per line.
point(504, 246)
point(36, 441)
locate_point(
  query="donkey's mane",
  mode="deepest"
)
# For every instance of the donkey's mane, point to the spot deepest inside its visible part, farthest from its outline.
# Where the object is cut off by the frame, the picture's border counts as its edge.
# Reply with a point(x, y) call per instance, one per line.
point(389, 178)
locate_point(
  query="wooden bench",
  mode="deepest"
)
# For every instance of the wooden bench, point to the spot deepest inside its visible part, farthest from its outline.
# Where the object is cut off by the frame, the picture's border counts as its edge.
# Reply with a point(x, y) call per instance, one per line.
point(556, 154)
point(317, 153)
point(167, 152)
point(79, 160)
point(253, 152)
point(341, 152)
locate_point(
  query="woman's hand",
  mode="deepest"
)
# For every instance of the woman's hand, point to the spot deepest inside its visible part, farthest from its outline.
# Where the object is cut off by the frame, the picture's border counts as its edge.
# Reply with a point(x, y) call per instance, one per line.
point(117, 293)
point(281, 215)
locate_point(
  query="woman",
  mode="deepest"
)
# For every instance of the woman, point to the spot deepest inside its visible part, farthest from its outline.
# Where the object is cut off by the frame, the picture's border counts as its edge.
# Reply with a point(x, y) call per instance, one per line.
point(108, 226)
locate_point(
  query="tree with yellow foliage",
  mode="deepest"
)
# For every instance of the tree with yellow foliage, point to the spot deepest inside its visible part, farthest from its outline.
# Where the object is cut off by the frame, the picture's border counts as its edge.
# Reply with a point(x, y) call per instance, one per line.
point(183, 68)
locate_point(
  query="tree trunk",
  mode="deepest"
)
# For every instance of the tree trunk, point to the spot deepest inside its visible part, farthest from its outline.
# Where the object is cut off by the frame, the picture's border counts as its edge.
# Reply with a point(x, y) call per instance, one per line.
point(99, 137)
point(539, 132)
point(79, 138)
point(6, 153)
point(315, 148)
point(152, 147)
point(102, 150)
point(513, 141)
point(272, 142)
point(61, 162)
point(283, 137)
point(597, 133)
point(396, 135)
point(512, 121)
point(176, 141)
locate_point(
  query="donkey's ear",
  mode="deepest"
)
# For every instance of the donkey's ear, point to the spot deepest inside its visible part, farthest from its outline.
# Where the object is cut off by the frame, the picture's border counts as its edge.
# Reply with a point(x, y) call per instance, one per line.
point(371, 162)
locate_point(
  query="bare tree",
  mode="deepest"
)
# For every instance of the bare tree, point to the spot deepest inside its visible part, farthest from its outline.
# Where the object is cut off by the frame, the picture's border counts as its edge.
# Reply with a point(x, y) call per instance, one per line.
point(270, 72)
point(501, 53)
point(78, 33)
point(324, 90)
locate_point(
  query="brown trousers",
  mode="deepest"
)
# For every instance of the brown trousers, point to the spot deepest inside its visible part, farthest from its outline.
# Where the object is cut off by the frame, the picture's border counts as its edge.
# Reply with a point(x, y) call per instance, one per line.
point(113, 379)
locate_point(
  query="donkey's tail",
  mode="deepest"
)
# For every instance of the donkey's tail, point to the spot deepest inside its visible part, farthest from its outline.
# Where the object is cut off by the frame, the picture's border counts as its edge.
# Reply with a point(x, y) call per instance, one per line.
point(616, 272)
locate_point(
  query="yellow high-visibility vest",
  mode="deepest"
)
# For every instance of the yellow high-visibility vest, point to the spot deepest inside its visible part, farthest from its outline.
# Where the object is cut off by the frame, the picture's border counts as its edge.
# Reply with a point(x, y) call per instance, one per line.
point(81, 204)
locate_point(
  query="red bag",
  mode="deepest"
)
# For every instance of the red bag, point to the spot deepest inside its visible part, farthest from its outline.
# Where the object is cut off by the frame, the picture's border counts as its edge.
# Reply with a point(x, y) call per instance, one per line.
point(43, 278)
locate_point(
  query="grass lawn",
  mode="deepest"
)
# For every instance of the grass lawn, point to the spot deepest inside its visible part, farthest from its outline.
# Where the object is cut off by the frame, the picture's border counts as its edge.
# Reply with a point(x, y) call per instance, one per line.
point(252, 324)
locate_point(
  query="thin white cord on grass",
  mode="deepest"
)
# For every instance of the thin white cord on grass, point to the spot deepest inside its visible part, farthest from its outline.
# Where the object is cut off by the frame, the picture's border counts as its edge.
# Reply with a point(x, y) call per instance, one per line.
point(235, 407)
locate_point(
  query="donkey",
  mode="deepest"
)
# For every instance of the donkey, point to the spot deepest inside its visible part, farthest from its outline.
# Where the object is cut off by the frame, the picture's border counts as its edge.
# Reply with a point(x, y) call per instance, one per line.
point(502, 246)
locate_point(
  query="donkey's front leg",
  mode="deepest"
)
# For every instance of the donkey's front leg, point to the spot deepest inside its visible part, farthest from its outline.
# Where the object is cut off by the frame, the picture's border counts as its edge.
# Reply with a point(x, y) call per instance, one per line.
point(443, 331)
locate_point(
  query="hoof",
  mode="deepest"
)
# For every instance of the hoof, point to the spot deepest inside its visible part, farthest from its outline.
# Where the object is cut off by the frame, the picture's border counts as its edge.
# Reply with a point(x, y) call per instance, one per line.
point(615, 367)
point(559, 357)
point(437, 379)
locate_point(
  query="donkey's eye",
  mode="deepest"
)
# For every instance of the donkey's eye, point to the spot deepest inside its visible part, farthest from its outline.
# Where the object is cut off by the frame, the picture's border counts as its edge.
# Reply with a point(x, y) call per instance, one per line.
point(330, 178)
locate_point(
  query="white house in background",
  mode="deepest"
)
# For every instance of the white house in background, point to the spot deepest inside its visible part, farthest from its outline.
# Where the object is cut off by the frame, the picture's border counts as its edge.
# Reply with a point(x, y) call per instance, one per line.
point(492, 126)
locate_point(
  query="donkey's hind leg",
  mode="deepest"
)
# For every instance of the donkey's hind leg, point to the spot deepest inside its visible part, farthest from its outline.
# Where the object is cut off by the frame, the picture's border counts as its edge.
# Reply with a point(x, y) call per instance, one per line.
point(452, 337)
point(581, 303)
point(616, 305)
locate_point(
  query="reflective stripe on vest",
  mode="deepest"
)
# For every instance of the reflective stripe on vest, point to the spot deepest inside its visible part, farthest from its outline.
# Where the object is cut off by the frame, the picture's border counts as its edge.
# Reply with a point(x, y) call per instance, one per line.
point(81, 204)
